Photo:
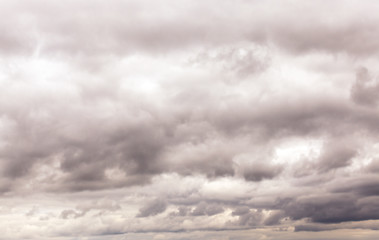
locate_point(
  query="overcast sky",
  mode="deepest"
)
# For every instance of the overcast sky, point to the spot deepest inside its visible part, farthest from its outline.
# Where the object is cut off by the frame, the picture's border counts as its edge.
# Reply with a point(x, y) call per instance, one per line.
point(189, 120)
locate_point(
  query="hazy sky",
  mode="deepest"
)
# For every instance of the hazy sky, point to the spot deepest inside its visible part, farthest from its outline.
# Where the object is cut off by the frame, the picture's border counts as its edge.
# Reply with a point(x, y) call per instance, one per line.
point(189, 120)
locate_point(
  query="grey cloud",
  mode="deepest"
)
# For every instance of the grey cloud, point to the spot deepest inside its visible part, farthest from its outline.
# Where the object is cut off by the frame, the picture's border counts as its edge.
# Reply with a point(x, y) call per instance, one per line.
point(282, 119)
point(211, 166)
point(373, 166)
point(330, 209)
point(139, 148)
point(365, 89)
point(336, 154)
point(327, 37)
point(372, 225)
point(81, 210)
point(314, 228)
point(274, 218)
point(201, 209)
point(67, 214)
point(101, 205)
point(252, 218)
point(172, 26)
point(241, 211)
point(153, 208)
point(260, 171)
point(139, 142)
point(184, 105)
point(243, 61)
point(362, 186)
point(112, 33)
point(181, 211)
point(247, 216)
point(206, 209)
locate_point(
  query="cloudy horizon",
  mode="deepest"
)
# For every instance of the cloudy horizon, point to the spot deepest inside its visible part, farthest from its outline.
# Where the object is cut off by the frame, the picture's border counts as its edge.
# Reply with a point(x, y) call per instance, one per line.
point(182, 120)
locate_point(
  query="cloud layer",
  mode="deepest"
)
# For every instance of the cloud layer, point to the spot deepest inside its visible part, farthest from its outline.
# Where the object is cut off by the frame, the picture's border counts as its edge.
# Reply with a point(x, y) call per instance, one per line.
point(181, 120)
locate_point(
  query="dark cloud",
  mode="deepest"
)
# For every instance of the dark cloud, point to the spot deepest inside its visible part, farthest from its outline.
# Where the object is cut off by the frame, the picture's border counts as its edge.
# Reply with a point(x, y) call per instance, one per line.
point(207, 209)
point(365, 89)
point(331, 208)
point(362, 186)
point(252, 218)
point(153, 208)
point(274, 218)
point(146, 142)
point(247, 216)
point(181, 211)
point(314, 228)
point(259, 171)
point(328, 227)
point(337, 154)
point(240, 211)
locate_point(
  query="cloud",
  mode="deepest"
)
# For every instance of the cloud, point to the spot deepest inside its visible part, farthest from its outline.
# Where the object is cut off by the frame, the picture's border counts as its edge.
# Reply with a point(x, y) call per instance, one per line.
point(71, 214)
point(330, 208)
point(252, 218)
point(153, 208)
point(185, 119)
point(329, 227)
point(97, 28)
point(337, 154)
point(207, 209)
point(365, 89)
point(239, 61)
point(259, 172)
point(274, 218)
point(362, 186)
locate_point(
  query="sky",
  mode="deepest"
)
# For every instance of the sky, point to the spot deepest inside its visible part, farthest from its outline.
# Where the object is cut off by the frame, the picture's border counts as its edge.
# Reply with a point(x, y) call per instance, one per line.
point(189, 120)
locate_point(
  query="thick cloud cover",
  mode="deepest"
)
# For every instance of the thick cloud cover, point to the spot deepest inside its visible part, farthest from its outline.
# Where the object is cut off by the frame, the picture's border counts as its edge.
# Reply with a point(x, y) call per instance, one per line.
point(189, 120)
